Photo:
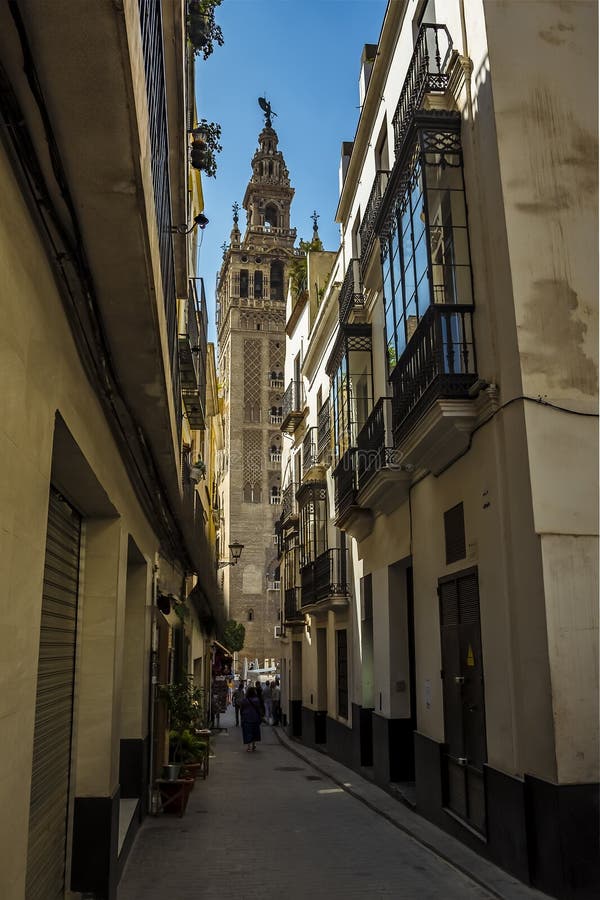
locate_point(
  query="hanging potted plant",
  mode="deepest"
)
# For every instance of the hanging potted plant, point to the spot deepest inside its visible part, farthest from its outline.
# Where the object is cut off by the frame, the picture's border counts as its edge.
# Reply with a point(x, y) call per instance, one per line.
point(198, 471)
point(203, 32)
point(205, 146)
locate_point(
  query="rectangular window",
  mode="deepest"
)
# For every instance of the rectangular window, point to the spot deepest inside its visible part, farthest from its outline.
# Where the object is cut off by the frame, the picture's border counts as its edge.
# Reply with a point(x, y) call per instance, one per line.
point(312, 508)
point(243, 282)
point(425, 256)
point(342, 672)
point(258, 285)
point(351, 396)
point(454, 531)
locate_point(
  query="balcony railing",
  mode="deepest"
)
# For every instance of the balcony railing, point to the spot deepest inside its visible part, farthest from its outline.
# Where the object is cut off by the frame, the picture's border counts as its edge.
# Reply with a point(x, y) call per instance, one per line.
point(275, 499)
point(427, 73)
point(326, 578)
point(367, 227)
point(192, 359)
point(351, 293)
point(288, 501)
point(273, 585)
point(276, 384)
point(274, 458)
point(324, 435)
point(309, 451)
point(375, 443)
point(275, 419)
point(292, 607)
point(293, 406)
point(439, 362)
point(346, 482)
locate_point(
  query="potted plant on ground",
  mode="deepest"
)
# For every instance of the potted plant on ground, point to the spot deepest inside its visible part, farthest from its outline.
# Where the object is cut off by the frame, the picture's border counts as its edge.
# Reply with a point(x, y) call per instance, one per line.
point(184, 704)
point(190, 750)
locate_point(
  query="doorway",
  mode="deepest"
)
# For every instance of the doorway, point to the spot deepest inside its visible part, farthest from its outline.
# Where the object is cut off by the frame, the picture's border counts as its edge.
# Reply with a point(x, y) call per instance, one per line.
point(463, 691)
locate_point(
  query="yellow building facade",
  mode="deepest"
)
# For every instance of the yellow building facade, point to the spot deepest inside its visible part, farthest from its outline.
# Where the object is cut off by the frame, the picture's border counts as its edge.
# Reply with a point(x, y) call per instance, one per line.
point(100, 414)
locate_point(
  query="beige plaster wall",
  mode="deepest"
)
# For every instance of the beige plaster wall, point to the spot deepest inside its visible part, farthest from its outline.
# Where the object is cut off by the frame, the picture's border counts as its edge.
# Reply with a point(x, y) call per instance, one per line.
point(571, 581)
point(493, 484)
point(138, 622)
point(41, 373)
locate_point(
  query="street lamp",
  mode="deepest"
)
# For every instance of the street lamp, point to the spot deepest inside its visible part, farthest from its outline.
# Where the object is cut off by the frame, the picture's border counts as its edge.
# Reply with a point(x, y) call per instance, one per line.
point(235, 548)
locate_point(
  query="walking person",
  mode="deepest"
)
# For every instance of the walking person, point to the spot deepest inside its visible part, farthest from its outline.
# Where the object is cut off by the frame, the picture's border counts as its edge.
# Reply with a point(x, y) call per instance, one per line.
point(259, 694)
point(268, 702)
point(276, 698)
point(238, 696)
point(251, 716)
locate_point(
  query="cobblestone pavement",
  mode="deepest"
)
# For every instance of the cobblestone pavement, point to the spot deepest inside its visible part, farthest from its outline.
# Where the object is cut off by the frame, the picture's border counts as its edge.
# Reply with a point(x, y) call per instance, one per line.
point(269, 824)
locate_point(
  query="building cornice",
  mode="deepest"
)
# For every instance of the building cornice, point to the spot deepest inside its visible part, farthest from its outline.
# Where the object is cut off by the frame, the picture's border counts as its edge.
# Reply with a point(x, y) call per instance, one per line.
point(392, 23)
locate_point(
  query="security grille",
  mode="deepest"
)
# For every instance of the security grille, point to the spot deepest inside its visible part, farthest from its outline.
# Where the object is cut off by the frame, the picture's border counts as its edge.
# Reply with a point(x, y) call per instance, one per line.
point(54, 705)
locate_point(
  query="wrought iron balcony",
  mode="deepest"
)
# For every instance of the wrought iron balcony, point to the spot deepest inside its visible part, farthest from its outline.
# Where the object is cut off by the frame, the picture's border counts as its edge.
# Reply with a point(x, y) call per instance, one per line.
point(346, 482)
point(427, 74)
point(293, 406)
point(324, 435)
point(192, 359)
point(325, 581)
point(375, 443)
point(383, 480)
point(288, 502)
point(367, 227)
point(351, 296)
point(310, 456)
point(292, 607)
point(438, 363)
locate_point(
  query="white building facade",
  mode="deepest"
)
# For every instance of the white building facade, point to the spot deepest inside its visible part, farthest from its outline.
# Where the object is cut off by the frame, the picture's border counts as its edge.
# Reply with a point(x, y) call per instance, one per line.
point(442, 553)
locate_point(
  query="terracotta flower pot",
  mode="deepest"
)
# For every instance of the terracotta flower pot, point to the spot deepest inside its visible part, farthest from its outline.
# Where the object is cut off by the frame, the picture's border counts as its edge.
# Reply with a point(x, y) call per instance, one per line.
point(192, 770)
point(175, 795)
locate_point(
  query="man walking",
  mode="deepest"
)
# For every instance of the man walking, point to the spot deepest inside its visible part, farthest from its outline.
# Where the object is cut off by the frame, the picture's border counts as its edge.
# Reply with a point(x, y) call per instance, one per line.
point(268, 701)
point(238, 696)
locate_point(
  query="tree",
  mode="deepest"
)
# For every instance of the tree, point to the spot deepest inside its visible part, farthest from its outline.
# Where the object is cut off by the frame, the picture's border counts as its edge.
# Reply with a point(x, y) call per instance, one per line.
point(298, 265)
point(234, 635)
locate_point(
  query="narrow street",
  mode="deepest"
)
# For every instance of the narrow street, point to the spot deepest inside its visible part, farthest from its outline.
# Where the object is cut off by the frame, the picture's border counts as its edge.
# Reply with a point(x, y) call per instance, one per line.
point(270, 824)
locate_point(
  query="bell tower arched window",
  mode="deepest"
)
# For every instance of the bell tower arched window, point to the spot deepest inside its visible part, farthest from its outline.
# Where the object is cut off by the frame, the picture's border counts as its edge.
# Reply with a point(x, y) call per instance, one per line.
point(276, 280)
point(271, 217)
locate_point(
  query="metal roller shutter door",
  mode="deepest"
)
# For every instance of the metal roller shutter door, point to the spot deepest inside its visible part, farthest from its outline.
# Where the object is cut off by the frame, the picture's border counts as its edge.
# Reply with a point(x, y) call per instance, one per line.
point(54, 705)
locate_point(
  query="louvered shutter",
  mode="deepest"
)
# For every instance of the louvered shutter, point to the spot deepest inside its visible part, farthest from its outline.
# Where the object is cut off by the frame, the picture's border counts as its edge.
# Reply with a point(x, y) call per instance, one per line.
point(54, 705)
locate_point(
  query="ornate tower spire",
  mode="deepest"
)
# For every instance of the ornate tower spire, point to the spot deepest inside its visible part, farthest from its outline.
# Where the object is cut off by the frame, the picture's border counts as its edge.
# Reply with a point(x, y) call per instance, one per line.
point(269, 194)
point(235, 236)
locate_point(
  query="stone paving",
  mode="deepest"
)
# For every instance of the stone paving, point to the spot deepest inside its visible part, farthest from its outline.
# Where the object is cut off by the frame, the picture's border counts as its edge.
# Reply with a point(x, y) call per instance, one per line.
point(271, 824)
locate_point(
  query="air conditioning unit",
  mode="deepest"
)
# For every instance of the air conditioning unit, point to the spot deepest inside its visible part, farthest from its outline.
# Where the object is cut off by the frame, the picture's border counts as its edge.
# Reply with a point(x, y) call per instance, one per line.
point(277, 631)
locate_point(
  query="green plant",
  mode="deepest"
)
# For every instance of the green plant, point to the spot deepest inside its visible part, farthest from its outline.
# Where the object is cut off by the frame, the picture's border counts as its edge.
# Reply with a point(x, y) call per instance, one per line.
point(298, 271)
point(185, 747)
point(203, 32)
point(185, 704)
point(234, 635)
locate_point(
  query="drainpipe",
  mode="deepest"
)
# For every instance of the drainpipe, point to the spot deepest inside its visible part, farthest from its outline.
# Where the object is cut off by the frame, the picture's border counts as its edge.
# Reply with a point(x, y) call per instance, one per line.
point(153, 683)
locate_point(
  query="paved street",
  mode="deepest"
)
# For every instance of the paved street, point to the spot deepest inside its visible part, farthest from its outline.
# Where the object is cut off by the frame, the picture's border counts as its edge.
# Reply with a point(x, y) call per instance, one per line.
point(269, 824)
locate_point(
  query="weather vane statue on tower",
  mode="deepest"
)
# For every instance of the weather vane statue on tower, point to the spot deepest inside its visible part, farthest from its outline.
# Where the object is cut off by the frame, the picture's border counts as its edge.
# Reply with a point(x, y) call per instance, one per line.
point(266, 108)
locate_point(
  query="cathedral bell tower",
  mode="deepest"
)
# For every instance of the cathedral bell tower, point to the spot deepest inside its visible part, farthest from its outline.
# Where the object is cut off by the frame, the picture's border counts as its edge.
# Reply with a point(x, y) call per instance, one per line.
point(251, 295)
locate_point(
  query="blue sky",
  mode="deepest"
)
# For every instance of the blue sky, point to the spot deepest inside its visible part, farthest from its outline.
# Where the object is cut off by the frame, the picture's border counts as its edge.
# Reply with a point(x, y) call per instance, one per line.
point(304, 56)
